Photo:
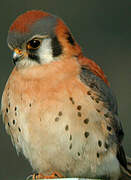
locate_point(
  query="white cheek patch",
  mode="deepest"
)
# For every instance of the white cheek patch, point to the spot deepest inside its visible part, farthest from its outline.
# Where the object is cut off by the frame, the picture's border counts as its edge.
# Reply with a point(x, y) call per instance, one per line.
point(26, 62)
point(45, 51)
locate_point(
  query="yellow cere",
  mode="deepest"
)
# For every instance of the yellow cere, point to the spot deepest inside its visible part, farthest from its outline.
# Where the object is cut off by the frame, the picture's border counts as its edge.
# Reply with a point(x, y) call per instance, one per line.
point(18, 51)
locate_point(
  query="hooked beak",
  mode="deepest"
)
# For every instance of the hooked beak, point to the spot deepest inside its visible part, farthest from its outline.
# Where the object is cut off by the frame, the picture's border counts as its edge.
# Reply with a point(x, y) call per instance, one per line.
point(17, 55)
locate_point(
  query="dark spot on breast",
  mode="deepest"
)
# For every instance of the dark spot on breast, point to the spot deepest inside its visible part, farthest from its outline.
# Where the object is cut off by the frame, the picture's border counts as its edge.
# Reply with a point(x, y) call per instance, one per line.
point(106, 145)
point(89, 92)
point(99, 143)
point(79, 107)
point(71, 99)
point(66, 127)
point(70, 137)
point(98, 110)
point(7, 110)
point(97, 100)
point(109, 128)
point(86, 134)
point(8, 124)
point(19, 129)
point(106, 115)
point(56, 47)
point(92, 97)
point(78, 154)
point(30, 105)
point(70, 147)
point(13, 121)
point(86, 121)
point(93, 85)
point(60, 113)
point(57, 119)
point(15, 108)
point(98, 155)
point(70, 38)
point(79, 114)
point(9, 105)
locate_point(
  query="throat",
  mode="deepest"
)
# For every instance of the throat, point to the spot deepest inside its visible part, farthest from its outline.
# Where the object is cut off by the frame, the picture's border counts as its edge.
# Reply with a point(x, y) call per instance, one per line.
point(59, 69)
point(26, 63)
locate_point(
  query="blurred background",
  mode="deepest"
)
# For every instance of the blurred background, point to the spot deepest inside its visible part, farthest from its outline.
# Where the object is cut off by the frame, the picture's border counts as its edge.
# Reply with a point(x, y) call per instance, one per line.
point(103, 29)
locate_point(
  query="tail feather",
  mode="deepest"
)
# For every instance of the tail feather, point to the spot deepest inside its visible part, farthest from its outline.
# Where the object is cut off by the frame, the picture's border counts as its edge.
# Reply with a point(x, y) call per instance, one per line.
point(128, 162)
point(125, 164)
point(126, 172)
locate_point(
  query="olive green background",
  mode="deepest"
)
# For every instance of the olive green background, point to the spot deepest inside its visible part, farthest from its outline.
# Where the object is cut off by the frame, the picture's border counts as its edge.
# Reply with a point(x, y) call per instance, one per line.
point(103, 29)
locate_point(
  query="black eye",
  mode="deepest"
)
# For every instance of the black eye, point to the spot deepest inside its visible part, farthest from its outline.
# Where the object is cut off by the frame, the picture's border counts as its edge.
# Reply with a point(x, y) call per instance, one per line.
point(33, 44)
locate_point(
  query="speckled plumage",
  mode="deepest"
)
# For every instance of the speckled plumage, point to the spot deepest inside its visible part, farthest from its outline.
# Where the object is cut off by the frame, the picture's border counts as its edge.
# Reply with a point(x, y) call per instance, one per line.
point(62, 115)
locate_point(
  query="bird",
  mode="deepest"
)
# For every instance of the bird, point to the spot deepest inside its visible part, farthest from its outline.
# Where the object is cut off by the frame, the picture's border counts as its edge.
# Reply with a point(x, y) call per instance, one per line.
point(58, 106)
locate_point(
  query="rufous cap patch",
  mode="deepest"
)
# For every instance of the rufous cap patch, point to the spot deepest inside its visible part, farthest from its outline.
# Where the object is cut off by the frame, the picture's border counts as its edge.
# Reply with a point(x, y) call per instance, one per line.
point(23, 22)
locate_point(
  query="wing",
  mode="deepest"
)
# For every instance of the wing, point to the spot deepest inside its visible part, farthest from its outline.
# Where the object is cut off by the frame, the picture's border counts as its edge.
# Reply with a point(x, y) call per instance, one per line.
point(89, 64)
point(92, 76)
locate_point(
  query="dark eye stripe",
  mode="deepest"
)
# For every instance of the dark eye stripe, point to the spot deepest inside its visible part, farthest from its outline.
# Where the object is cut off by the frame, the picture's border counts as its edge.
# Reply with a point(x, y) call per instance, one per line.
point(56, 47)
point(34, 57)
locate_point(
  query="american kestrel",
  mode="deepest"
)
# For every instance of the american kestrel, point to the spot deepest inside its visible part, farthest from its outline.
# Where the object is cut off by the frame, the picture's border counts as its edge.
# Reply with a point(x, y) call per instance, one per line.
point(57, 105)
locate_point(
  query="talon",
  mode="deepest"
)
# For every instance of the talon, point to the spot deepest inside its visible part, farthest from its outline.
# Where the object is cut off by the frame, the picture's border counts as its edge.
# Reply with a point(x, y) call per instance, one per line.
point(56, 174)
point(36, 176)
point(30, 177)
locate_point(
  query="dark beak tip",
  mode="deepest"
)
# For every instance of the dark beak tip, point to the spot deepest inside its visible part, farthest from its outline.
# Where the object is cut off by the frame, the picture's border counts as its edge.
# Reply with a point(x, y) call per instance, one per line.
point(15, 60)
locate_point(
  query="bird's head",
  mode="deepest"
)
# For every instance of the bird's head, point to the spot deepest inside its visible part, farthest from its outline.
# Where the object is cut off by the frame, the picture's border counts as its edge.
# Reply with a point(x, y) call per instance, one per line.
point(37, 37)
